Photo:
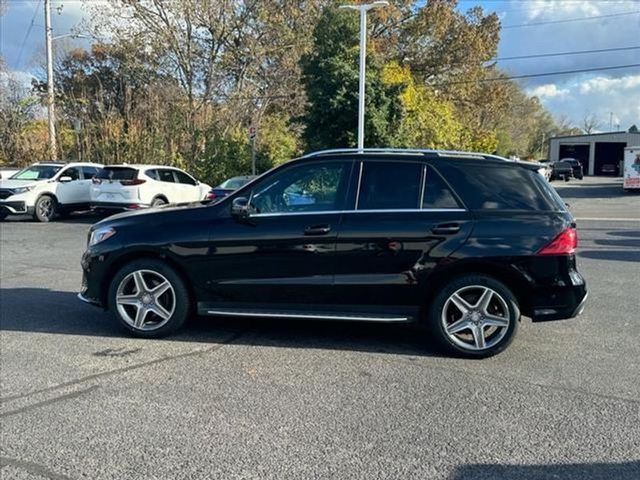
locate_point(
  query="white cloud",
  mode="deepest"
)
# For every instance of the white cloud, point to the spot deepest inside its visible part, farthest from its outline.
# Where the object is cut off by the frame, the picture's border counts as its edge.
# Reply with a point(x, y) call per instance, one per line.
point(549, 90)
point(606, 84)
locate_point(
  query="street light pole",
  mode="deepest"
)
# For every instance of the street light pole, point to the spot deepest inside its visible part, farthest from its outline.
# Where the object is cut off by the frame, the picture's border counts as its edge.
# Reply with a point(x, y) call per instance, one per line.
point(363, 9)
point(53, 147)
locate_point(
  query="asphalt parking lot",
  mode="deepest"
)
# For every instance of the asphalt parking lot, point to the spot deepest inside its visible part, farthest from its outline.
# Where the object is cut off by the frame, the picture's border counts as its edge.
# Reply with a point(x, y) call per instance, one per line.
point(276, 399)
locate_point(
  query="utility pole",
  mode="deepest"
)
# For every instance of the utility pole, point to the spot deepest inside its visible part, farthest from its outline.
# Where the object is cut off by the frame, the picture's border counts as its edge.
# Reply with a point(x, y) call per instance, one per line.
point(610, 121)
point(53, 147)
point(363, 9)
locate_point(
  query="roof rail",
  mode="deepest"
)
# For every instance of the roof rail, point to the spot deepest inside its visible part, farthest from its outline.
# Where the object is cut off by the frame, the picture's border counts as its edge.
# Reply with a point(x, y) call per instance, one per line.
point(410, 151)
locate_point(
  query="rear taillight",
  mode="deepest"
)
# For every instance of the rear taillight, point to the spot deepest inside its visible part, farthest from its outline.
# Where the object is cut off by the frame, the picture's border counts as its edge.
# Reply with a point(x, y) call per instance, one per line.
point(211, 196)
point(564, 244)
point(131, 183)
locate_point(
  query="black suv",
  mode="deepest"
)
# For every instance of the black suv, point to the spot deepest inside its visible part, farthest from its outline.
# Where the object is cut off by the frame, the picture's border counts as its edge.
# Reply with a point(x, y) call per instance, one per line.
point(576, 167)
point(463, 243)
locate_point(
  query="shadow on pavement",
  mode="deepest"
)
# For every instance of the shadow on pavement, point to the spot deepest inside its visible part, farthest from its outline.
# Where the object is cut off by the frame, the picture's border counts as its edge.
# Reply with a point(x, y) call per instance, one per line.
point(614, 255)
point(576, 471)
point(46, 311)
point(592, 190)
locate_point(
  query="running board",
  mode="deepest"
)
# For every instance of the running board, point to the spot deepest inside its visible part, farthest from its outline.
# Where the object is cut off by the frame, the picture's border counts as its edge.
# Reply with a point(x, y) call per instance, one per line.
point(305, 315)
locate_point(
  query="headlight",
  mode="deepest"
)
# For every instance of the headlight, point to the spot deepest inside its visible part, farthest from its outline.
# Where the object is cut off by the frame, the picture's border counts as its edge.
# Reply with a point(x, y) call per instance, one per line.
point(100, 235)
point(19, 190)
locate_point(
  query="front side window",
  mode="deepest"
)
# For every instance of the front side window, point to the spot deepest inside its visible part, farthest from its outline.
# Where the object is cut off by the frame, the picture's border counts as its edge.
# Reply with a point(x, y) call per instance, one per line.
point(72, 172)
point(89, 172)
point(390, 186)
point(311, 187)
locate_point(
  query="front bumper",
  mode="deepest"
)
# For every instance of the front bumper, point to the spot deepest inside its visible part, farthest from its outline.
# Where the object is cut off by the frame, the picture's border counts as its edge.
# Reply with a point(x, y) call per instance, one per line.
point(14, 207)
point(94, 270)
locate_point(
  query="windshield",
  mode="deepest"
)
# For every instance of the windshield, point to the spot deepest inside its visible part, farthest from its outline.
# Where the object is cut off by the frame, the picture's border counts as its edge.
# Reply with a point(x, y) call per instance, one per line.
point(37, 172)
point(235, 182)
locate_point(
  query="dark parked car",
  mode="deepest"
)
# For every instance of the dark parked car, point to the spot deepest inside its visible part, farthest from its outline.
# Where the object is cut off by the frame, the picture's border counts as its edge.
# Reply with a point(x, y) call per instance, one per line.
point(463, 244)
point(576, 167)
point(609, 169)
point(561, 170)
point(228, 186)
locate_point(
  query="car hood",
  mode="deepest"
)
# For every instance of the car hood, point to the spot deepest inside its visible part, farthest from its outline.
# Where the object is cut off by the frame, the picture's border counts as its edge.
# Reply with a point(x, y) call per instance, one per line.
point(17, 183)
point(135, 216)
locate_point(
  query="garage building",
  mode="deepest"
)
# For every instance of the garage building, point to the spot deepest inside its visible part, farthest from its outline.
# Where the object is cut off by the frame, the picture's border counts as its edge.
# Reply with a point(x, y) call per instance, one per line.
point(599, 153)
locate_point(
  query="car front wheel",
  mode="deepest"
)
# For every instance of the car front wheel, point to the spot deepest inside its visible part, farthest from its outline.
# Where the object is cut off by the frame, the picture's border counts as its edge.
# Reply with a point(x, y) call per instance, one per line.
point(45, 208)
point(149, 298)
point(474, 316)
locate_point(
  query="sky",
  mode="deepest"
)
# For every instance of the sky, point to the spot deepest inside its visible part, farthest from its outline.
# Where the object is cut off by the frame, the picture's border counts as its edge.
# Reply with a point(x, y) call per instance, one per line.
point(611, 96)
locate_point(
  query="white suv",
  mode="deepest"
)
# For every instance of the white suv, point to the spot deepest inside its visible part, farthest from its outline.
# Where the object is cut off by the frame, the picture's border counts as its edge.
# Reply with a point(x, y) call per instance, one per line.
point(46, 189)
point(130, 187)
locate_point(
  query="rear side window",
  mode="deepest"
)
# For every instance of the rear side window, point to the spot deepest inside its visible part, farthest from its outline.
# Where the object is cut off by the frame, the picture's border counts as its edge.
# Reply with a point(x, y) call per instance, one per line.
point(166, 175)
point(436, 192)
point(152, 174)
point(117, 173)
point(390, 186)
point(495, 187)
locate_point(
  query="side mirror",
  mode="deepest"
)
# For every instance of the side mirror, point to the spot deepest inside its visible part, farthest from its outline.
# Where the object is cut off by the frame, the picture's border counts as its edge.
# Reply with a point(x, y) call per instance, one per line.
point(240, 208)
point(65, 179)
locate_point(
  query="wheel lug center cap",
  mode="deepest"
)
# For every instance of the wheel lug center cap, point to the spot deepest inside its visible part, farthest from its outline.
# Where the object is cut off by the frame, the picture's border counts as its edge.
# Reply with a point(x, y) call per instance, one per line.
point(146, 299)
point(476, 317)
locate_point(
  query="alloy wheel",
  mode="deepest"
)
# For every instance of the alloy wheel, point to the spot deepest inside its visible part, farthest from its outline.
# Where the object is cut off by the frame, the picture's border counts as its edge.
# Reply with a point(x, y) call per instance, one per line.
point(475, 318)
point(45, 207)
point(145, 300)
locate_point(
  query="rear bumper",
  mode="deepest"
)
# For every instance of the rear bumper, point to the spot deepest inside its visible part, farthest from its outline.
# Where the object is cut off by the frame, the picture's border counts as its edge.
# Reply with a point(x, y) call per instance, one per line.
point(560, 305)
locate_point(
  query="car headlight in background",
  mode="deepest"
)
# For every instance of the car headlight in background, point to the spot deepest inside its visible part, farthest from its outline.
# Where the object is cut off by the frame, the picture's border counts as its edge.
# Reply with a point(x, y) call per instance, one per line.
point(19, 190)
point(100, 235)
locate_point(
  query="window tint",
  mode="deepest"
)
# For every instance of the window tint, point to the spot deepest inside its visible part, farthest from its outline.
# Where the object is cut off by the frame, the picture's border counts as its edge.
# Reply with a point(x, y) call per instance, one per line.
point(305, 188)
point(118, 173)
point(152, 174)
point(184, 178)
point(436, 192)
point(72, 172)
point(89, 172)
point(166, 175)
point(392, 185)
point(495, 187)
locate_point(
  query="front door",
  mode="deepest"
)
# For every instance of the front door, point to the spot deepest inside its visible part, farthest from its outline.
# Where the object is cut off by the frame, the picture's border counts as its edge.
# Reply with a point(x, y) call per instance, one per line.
point(75, 191)
point(405, 221)
point(282, 255)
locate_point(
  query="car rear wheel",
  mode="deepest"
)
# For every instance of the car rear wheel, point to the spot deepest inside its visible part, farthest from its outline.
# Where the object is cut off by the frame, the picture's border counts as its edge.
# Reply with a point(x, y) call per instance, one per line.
point(149, 298)
point(158, 202)
point(474, 316)
point(45, 208)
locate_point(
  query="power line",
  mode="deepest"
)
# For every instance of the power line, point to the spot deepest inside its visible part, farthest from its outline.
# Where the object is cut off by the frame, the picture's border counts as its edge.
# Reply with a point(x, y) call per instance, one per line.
point(26, 36)
point(567, 20)
point(577, 52)
point(534, 75)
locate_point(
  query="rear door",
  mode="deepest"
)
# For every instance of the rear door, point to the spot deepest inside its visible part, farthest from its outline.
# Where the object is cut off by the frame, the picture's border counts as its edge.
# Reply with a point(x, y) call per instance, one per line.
point(168, 186)
point(405, 220)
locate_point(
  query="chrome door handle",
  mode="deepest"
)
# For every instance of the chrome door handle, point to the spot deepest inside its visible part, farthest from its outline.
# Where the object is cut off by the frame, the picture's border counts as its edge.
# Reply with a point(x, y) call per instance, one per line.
point(446, 229)
point(317, 230)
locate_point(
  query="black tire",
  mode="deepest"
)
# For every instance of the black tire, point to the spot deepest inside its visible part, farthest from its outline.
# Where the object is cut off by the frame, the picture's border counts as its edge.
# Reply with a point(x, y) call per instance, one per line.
point(151, 329)
point(498, 338)
point(158, 202)
point(45, 208)
point(3, 214)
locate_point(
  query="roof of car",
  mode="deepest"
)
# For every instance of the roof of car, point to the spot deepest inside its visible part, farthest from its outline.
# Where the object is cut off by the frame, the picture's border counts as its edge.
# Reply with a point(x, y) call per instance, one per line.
point(69, 164)
point(403, 153)
point(139, 165)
